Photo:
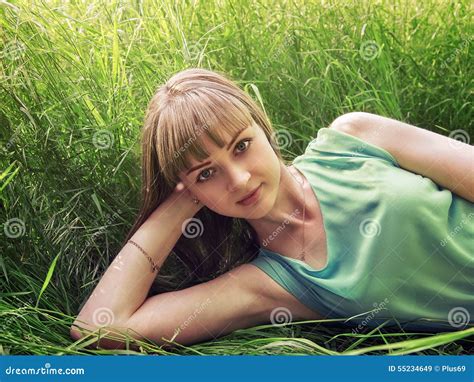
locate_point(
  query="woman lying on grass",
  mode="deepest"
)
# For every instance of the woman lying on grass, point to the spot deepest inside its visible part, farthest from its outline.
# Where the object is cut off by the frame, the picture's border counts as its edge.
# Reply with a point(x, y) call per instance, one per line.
point(375, 214)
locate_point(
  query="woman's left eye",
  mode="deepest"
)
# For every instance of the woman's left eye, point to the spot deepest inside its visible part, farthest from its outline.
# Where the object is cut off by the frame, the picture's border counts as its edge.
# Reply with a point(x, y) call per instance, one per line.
point(242, 141)
point(247, 140)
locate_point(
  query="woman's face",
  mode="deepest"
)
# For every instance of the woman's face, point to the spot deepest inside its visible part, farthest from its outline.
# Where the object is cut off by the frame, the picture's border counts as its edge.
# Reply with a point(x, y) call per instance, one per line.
point(246, 162)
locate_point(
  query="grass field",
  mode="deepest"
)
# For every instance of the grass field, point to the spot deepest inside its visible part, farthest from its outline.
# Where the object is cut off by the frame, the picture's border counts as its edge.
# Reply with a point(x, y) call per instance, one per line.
point(76, 78)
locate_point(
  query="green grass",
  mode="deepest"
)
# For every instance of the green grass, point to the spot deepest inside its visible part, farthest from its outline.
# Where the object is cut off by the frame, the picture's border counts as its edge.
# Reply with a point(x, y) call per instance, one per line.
point(68, 72)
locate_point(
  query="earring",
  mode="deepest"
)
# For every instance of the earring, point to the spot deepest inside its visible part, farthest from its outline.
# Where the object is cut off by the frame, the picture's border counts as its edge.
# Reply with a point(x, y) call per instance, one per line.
point(195, 200)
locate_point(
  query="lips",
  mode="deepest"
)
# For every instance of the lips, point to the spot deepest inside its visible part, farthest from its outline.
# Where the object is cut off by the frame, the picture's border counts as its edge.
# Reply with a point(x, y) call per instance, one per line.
point(249, 195)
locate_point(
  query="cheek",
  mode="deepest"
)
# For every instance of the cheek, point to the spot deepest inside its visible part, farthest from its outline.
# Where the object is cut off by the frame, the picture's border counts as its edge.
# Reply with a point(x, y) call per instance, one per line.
point(208, 192)
point(197, 190)
point(272, 168)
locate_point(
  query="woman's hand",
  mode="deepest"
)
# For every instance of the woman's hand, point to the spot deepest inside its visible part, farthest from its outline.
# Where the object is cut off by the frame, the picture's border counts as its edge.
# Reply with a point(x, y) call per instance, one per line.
point(182, 196)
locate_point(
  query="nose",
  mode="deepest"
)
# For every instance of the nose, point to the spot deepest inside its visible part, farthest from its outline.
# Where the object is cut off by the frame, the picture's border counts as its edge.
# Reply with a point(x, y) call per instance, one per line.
point(238, 179)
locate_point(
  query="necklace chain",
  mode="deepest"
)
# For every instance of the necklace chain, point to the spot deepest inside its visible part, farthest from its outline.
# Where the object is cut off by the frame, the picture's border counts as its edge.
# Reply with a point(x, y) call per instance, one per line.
point(302, 255)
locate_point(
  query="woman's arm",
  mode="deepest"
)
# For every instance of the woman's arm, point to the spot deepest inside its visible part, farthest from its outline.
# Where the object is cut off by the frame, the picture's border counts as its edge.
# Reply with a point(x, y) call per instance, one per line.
point(241, 298)
point(127, 281)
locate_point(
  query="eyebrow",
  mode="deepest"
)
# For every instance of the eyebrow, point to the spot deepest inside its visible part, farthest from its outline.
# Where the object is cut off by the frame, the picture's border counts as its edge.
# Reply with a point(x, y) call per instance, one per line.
point(209, 162)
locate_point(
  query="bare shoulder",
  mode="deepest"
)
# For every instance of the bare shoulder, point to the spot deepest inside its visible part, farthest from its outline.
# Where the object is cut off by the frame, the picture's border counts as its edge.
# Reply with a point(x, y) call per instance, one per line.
point(443, 159)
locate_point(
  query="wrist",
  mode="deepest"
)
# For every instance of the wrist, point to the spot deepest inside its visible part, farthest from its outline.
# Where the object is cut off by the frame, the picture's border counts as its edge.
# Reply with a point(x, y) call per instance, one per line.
point(180, 206)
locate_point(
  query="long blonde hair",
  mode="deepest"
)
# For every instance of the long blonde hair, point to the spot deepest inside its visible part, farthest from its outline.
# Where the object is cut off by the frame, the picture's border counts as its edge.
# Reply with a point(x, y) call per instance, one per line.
point(191, 103)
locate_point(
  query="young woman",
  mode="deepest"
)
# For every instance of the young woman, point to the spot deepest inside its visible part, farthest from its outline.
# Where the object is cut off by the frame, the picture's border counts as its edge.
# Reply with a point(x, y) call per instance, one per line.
point(375, 214)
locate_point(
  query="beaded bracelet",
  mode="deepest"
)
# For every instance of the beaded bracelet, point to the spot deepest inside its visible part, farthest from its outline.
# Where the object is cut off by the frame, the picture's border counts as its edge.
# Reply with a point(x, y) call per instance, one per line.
point(154, 267)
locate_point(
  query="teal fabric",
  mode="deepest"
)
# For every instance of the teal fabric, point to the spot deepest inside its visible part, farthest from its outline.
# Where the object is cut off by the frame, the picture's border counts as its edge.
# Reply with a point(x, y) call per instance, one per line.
point(400, 247)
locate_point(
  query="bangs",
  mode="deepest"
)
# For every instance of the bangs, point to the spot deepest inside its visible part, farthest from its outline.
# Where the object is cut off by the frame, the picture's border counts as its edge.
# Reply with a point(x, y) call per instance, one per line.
point(185, 121)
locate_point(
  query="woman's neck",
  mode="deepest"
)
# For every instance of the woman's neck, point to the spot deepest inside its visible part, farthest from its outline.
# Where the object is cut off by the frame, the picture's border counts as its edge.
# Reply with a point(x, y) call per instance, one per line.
point(287, 212)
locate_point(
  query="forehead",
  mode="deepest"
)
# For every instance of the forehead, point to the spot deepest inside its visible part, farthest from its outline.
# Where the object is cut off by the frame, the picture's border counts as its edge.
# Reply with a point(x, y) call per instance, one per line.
point(205, 141)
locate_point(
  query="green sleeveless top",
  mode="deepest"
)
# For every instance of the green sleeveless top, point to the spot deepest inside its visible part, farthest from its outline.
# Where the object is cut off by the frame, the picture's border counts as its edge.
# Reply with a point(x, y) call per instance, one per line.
point(400, 248)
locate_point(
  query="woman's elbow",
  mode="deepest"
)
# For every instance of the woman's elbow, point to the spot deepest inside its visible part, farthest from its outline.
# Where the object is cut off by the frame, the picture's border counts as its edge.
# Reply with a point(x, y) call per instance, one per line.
point(100, 338)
